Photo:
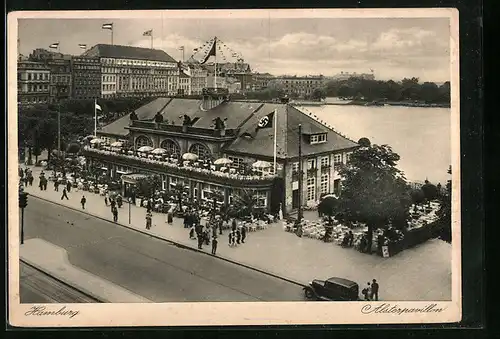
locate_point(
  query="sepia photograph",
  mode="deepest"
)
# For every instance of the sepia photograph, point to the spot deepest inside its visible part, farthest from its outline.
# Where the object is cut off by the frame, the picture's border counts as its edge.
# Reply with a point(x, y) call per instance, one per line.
point(213, 167)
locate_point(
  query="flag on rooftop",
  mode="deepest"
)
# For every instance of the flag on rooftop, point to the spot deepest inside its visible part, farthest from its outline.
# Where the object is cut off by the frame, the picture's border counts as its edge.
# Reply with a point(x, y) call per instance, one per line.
point(148, 33)
point(82, 46)
point(108, 26)
point(54, 45)
point(210, 53)
point(97, 106)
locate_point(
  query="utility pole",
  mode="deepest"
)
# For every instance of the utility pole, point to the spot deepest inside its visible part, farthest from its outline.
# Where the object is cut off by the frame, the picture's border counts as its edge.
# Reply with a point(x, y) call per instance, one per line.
point(59, 129)
point(301, 174)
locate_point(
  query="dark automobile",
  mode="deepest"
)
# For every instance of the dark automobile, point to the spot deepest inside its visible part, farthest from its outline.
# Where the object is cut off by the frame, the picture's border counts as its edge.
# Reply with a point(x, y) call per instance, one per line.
point(333, 289)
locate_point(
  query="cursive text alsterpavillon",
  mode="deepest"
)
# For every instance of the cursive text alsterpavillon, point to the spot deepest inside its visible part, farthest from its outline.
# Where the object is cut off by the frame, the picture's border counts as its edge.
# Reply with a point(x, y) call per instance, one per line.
point(396, 309)
point(39, 310)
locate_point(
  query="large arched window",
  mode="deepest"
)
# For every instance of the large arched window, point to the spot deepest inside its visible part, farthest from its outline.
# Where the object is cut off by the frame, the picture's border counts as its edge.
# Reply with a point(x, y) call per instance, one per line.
point(200, 150)
point(143, 141)
point(171, 146)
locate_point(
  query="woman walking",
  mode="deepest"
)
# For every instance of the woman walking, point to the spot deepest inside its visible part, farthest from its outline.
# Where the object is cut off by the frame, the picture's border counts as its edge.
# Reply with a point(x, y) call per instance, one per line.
point(149, 218)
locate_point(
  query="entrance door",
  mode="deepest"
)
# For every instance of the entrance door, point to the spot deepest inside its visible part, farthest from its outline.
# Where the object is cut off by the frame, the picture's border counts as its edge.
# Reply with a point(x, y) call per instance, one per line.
point(295, 199)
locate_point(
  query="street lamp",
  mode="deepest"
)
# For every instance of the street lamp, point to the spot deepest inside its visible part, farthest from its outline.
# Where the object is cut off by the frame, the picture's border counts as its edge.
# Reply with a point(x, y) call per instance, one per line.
point(23, 202)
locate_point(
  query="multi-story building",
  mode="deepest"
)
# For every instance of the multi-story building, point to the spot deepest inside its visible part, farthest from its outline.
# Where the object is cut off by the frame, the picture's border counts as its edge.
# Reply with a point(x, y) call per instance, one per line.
point(86, 77)
point(33, 81)
point(236, 135)
point(61, 73)
point(184, 83)
point(346, 76)
point(199, 79)
point(60, 79)
point(134, 71)
point(261, 81)
point(301, 86)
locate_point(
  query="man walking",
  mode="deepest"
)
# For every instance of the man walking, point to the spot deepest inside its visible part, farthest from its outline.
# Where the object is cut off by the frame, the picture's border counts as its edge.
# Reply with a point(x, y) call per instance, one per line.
point(149, 220)
point(243, 233)
point(115, 213)
point(214, 245)
point(374, 290)
point(83, 201)
point(64, 195)
point(56, 185)
point(68, 186)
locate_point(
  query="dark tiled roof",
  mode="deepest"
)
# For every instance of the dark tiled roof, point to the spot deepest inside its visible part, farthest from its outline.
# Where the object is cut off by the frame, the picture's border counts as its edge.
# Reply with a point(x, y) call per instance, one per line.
point(129, 52)
point(288, 119)
point(235, 112)
point(145, 112)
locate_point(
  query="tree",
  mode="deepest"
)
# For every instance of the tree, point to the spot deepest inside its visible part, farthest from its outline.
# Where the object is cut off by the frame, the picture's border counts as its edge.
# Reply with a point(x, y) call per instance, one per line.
point(147, 186)
point(364, 142)
point(374, 190)
point(328, 206)
point(430, 191)
point(444, 213)
point(318, 94)
point(245, 203)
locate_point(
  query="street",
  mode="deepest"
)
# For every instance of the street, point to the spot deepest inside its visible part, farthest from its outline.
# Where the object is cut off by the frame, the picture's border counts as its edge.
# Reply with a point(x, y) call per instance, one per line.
point(38, 287)
point(147, 266)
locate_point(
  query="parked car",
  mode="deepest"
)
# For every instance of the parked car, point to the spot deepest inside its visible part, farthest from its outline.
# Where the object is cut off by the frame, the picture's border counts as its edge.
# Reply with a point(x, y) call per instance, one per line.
point(333, 289)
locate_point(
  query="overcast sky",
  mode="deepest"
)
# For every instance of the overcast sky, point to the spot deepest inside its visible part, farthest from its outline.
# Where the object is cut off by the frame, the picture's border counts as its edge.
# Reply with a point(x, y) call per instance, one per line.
point(393, 48)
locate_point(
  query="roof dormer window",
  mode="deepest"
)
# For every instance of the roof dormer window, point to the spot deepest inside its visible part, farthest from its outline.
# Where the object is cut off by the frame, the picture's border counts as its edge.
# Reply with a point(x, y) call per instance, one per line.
point(317, 138)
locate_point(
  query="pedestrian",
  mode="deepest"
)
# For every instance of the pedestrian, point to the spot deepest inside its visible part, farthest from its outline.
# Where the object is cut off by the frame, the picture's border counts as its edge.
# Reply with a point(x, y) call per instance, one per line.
point(113, 203)
point(119, 201)
point(368, 291)
point(200, 240)
point(170, 217)
point(56, 185)
point(234, 238)
point(149, 218)
point(238, 235)
point(230, 238)
point(64, 195)
point(214, 245)
point(243, 234)
point(68, 186)
point(83, 201)
point(233, 225)
point(30, 178)
point(106, 199)
point(375, 286)
point(192, 233)
point(115, 213)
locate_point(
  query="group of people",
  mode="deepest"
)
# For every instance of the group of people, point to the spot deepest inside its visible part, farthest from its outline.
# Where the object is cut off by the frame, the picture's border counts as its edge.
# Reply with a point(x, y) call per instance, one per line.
point(370, 292)
point(26, 176)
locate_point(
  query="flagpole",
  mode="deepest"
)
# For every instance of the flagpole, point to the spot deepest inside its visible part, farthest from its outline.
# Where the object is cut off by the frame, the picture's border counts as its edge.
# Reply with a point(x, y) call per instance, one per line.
point(215, 52)
point(151, 39)
point(95, 118)
point(112, 29)
point(275, 136)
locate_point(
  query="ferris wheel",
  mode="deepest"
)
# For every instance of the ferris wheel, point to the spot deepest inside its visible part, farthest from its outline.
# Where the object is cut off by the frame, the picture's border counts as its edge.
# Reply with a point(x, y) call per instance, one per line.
point(217, 48)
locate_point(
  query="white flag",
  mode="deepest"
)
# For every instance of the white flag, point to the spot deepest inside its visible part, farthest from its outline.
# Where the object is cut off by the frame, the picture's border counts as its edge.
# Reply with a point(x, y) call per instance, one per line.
point(98, 107)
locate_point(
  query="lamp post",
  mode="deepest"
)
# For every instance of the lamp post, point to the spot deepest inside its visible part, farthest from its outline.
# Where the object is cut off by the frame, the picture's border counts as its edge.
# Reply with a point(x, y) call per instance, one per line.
point(23, 202)
point(129, 208)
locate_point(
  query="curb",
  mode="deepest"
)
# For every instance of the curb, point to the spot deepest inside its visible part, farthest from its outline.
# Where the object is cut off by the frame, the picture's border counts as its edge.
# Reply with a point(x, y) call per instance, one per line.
point(177, 244)
point(64, 282)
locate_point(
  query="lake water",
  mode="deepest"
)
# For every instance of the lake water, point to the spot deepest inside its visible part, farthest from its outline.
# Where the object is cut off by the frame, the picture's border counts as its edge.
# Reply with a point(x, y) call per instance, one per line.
point(421, 136)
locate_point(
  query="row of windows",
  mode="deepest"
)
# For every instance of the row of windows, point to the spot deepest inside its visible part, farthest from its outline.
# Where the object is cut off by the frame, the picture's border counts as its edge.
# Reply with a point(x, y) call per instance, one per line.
point(324, 161)
point(236, 162)
point(128, 62)
point(86, 90)
point(86, 82)
point(35, 100)
point(37, 88)
point(38, 76)
point(61, 78)
point(108, 78)
point(109, 87)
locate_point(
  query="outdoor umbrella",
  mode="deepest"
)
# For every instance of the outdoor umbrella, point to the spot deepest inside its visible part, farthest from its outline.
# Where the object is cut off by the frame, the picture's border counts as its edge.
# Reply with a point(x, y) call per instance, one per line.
point(261, 164)
point(223, 161)
point(96, 141)
point(159, 151)
point(190, 156)
point(145, 149)
point(117, 144)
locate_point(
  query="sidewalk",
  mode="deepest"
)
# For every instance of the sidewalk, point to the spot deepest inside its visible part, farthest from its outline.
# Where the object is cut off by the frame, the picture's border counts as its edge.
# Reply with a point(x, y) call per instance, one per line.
point(420, 273)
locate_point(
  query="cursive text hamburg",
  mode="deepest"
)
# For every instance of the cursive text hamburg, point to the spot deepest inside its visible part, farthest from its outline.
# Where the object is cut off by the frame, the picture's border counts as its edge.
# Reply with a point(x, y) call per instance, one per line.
point(44, 311)
point(396, 309)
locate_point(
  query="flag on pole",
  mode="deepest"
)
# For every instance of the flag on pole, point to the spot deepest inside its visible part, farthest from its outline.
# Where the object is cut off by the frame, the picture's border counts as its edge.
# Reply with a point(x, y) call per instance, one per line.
point(181, 48)
point(210, 53)
point(148, 33)
point(83, 46)
point(108, 26)
point(98, 107)
point(55, 45)
point(266, 121)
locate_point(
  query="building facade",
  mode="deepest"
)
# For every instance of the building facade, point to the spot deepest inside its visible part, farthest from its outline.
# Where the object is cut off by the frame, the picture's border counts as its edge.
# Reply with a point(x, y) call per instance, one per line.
point(86, 77)
point(184, 83)
point(60, 79)
point(300, 86)
point(238, 137)
point(199, 79)
point(260, 81)
point(33, 82)
point(135, 72)
point(342, 76)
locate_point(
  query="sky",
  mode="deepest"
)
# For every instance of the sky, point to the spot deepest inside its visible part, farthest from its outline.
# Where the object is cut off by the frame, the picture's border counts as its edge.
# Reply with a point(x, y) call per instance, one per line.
point(394, 48)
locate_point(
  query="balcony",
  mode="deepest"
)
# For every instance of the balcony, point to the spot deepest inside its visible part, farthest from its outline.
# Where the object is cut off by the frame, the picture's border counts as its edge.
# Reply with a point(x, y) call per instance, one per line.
point(206, 132)
point(169, 167)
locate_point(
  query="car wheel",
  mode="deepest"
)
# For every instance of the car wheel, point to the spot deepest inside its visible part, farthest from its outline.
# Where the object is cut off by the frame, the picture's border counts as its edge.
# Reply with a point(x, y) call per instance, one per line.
point(309, 293)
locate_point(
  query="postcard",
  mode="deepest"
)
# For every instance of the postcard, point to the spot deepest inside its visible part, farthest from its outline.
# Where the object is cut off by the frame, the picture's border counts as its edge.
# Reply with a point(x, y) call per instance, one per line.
point(233, 167)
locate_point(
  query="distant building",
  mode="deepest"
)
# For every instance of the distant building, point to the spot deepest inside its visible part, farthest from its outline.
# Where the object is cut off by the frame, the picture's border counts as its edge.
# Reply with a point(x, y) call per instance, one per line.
point(33, 80)
point(346, 76)
point(60, 73)
point(239, 70)
point(135, 72)
point(199, 78)
point(86, 77)
point(184, 84)
point(300, 85)
point(260, 81)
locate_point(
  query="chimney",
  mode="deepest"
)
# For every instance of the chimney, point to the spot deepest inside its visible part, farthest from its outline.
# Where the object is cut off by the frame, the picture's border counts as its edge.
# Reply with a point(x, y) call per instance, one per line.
point(213, 97)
